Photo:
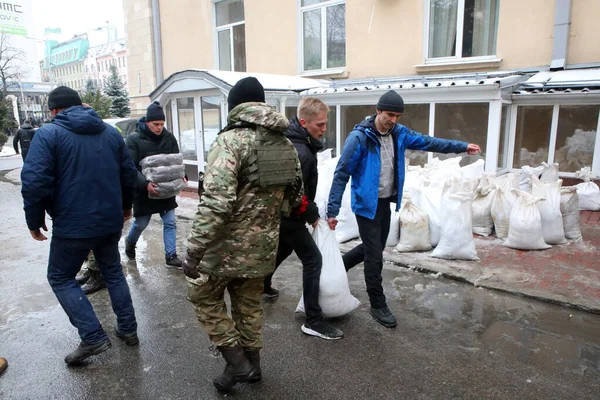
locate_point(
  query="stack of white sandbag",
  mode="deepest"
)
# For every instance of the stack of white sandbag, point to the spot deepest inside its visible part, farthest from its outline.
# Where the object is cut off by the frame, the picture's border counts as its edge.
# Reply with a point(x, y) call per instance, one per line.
point(552, 222)
point(394, 235)
point(525, 232)
point(569, 208)
point(167, 171)
point(414, 233)
point(588, 191)
point(503, 203)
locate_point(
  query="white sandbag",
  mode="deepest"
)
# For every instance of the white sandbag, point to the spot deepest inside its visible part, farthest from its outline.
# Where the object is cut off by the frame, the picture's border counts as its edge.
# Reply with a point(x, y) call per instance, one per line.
point(526, 174)
point(525, 231)
point(160, 160)
point(474, 170)
point(501, 209)
point(456, 240)
point(552, 223)
point(588, 191)
point(414, 233)
point(550, 172)
point(569, 208)
point(394, 235)
point(164, 173)
point(429, 199)
point(168, 189)
point(335, 298)
point(483, 224)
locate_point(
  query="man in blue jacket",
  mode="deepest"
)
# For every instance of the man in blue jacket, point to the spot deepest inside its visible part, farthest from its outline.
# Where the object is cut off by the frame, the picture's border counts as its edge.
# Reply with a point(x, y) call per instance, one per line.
point(373, 156)
point(79, 170)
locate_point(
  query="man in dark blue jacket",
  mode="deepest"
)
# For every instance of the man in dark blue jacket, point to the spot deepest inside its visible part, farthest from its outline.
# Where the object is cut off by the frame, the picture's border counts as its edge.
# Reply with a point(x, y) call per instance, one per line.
point(79, 170)
point(373, 156)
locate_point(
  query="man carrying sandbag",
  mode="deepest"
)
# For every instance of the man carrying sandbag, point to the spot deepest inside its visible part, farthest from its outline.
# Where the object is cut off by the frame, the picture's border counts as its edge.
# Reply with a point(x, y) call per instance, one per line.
point(252, 176)
point(305, 132)
point(373, 156)
point(151, 138)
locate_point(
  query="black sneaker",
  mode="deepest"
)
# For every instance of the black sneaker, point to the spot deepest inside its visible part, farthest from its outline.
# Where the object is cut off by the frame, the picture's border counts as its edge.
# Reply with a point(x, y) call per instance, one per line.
point(130, 250)
point(84, 350)
point(384, 316)
point(271, 293)
point(173, 261)
point(130, 339)
point(322, 329)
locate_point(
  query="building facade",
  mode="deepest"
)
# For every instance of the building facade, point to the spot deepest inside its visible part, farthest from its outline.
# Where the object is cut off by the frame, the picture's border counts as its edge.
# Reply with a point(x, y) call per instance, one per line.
point(99, 59)
point(521, 78)
point(63, 63)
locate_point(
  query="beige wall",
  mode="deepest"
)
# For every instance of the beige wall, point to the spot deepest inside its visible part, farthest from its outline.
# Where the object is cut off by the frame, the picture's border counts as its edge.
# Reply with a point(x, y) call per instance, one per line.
point(584, 37)
point(140, 59)
point(525, 33)
point(271, 36)
point(186, 30)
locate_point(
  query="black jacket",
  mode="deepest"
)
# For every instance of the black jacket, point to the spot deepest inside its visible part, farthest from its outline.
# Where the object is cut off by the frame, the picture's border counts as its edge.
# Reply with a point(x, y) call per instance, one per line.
point(307, 148)
point(24, 136)
point(141, 144)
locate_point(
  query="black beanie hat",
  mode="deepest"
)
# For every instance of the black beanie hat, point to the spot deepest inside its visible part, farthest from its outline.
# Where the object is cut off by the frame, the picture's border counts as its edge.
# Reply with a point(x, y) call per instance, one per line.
point(63, 97)
point(391, 101)
point(155, 112)
point(244, 91)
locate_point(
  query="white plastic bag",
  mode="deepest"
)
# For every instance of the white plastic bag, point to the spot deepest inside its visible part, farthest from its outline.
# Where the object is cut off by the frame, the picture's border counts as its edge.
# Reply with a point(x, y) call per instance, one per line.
point(483, 224)
point(552, 222)
point(456, 240)
point(414, 233)
point(588, 191)
point(394, 235)
point(429, 200)
point(526, 174)
point(550, 173)
point(525, 231)
point(569, 208)
point(474, 170)
point(335, 298)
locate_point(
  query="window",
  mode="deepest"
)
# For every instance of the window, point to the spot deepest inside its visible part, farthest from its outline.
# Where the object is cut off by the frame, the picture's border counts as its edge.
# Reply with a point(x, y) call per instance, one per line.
point(352, 115)
point(187, 128)
point(231, 35)
point(576, 136)
point(211, 121)
point(323, 34)
point(416, 118)
point(532, 137)
point(462, 28)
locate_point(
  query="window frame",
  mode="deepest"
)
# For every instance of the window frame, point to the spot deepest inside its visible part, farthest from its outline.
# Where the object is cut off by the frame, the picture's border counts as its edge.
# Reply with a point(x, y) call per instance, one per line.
point(220, 28)
point(458, 58)
point(300, 24)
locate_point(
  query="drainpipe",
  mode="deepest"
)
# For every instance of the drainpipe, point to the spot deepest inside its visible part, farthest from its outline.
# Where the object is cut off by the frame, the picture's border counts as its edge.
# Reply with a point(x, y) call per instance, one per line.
point(562, 21)
point(158, 58)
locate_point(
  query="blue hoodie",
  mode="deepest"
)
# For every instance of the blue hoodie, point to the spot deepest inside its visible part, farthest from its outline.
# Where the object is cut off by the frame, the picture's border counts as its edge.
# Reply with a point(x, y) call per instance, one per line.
point(361, 160)
point(79, 170)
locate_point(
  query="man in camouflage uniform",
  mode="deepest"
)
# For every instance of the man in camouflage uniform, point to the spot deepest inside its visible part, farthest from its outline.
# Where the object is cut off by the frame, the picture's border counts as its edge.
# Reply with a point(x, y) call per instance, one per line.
point(253, 175)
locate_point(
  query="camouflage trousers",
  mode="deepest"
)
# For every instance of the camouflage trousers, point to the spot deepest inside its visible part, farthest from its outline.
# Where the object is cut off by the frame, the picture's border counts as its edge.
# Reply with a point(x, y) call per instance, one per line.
point(245, 324)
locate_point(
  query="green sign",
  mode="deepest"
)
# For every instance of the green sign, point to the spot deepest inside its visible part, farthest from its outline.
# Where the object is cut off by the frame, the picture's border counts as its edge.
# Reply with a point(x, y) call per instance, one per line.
point(13, 30)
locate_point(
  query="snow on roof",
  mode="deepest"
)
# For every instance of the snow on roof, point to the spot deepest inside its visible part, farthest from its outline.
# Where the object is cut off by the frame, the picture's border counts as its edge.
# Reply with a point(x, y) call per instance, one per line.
point(269, 81)
point(568, 78)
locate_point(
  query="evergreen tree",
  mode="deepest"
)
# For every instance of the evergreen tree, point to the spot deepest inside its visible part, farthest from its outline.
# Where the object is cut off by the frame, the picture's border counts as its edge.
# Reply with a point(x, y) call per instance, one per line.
point(115, 89)
point(96, 99)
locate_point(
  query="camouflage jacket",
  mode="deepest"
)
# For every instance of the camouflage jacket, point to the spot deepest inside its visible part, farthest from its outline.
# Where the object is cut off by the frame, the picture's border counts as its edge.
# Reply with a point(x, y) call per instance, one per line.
point(236, 228)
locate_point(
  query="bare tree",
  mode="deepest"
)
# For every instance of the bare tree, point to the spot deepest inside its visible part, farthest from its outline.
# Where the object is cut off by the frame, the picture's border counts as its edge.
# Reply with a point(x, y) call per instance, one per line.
point(12, 61)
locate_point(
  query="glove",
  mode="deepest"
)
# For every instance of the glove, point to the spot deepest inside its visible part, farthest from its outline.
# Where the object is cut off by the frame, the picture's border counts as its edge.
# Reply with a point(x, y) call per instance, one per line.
point(190, 267)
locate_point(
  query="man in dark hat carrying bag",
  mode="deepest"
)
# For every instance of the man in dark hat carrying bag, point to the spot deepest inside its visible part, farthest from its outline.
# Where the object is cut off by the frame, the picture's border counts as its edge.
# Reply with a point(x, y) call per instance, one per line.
point(373, 156)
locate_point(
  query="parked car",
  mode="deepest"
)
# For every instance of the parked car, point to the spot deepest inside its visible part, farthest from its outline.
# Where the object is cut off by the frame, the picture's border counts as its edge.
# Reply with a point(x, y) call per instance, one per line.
point(125, 126)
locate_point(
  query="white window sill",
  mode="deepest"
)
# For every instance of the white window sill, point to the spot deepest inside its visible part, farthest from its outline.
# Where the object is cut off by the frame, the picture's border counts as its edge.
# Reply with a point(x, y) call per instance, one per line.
point(453, 65)
point(326, 72)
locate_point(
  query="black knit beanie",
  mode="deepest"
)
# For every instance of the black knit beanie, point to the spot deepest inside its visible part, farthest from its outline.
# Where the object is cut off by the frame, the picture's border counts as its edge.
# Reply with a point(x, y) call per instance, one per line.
point(155, 112)
point(244, 91)
point(63, 97)
point(391, 101)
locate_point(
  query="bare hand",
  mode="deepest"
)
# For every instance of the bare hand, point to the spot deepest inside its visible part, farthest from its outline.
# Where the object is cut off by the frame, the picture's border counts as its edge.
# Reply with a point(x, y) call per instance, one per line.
point(38, 235)
point(314, 224)
point(473, 149)
point(127, 214)
point(332, 223)
point(152, 188)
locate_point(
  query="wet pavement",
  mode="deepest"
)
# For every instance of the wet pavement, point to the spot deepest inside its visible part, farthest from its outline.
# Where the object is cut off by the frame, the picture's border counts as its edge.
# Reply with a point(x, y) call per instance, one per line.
point(453, 341)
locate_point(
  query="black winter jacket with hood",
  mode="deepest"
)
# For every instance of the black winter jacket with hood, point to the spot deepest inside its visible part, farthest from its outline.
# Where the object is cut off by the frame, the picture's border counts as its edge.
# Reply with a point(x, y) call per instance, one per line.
point(141, 144)
point(307, 148)
point(24, 137)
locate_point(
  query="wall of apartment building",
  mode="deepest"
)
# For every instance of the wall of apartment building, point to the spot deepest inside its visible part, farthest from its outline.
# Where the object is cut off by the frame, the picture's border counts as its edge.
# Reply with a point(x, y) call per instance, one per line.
point(140, 54)
point(584, 36)
point(71, 75)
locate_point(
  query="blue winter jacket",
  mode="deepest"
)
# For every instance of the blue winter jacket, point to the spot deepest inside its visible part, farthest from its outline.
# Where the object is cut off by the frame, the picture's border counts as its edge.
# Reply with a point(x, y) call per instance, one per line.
point(361, 160)
point(79, 170)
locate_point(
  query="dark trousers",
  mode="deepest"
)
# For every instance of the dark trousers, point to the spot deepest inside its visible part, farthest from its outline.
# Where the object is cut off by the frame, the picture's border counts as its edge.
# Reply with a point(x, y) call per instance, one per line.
point(293, 236)
point(66, 257)
point(373, 233)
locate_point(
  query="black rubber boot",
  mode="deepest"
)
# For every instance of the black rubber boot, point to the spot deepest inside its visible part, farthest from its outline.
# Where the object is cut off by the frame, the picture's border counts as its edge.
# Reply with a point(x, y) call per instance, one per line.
point(83, 277)
point(130, 250)
point(95, 283)
point(238, 369)
point(253, 356)
point(85, 350)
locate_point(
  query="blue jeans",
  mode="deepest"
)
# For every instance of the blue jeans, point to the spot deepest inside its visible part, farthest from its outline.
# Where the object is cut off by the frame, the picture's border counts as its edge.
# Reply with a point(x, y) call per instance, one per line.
point(169, 231)
point(66, 257)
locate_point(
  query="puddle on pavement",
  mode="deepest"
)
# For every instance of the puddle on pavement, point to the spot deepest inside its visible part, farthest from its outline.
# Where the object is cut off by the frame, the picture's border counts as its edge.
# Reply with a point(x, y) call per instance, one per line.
point(534, 332)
